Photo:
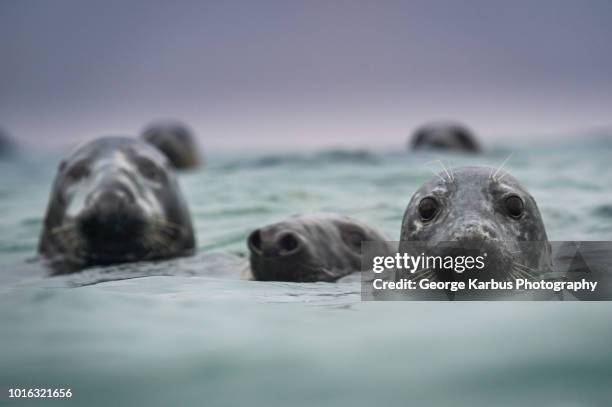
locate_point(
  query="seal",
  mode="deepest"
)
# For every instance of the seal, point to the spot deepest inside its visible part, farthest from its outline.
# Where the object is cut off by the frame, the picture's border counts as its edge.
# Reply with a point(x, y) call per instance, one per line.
point(309, 248)
point(480, 211)
point(114, 200)
point(444, 136)
point(7, 145)
point(176, 141)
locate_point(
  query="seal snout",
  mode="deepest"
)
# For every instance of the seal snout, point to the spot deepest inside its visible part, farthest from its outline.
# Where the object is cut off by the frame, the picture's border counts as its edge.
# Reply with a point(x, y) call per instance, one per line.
point(262, 242)
point(111, 215)
point(471, 231)
point(111, 198)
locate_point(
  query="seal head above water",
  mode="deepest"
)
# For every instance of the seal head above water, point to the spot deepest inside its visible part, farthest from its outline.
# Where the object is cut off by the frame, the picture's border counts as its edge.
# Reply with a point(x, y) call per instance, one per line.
point(114, 200)
point(483, 210)
point(444, 136)
point(7, 145)
point(308, 248)
point(176, 141)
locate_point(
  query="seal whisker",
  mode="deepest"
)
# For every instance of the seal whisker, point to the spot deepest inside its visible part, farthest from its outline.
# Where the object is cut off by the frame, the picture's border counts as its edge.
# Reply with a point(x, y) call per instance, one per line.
point(160, 240)
point(417, 276)
point(515, 275)
point(164, 233)
point(450, 179)
point(149, 243)
point(166, 223)
point(437, 175)
point(69, 238)
point(527, 276)
point(500, 167)
point(171, 230)
point(502, 176)
point(526, 267)
point(524, 272)
point(62, 228)
point(427, 274)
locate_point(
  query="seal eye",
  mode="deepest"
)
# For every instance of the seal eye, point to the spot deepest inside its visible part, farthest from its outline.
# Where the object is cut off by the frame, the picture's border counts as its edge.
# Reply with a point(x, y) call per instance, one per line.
point(150, 170)
point(428, 207)
point(77, 172)
point(353, 238)
point(515, 206)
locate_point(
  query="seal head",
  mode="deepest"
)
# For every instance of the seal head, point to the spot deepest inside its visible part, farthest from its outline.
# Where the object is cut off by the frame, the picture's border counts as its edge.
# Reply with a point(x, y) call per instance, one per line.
point(114, 200)
point(176, 141)
point(318, 247)
point(483, 212)
point(444, 136)
point(7, 145)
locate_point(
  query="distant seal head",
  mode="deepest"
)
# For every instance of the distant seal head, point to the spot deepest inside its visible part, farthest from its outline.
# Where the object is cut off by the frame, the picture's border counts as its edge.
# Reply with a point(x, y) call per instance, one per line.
point(114, 200)
point(483, 210)
point(7, 145)
point(444, 136)
point(309, 248)
point(176, 141)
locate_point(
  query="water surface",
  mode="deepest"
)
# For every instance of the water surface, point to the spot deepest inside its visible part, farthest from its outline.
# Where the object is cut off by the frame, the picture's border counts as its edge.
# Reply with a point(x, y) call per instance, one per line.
point(190, 331)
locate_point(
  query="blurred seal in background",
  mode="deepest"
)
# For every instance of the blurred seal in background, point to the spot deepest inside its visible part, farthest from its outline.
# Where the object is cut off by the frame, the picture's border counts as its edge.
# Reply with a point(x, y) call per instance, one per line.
point(176, 141)
point(444, 136)
point(115, 200)
point(7, 145)
point(308, 248)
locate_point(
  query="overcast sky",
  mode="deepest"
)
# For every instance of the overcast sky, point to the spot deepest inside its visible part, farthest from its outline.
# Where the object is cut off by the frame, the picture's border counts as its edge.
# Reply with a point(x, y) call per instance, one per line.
point(292, 73)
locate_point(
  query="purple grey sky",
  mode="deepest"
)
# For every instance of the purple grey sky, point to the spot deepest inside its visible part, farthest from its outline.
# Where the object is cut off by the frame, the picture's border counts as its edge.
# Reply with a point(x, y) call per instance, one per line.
point(293, 73)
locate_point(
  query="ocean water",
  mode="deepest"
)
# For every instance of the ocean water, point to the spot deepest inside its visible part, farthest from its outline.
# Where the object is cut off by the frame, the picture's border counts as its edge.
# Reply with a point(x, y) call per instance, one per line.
point(191, 332)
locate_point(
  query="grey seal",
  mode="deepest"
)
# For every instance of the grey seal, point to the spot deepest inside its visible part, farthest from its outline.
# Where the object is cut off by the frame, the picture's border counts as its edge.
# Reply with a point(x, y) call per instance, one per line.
point(483, 210)
point(176, 141)
point(114, 200)
point(7, 145)
point(444, 136)
point(309, 248)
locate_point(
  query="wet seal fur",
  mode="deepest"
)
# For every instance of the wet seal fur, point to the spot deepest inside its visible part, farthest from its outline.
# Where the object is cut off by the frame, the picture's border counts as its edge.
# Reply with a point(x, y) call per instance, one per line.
point(309, 248)
point(444, 136)
point(176, 141)
point(114, 200)
point(484, 209)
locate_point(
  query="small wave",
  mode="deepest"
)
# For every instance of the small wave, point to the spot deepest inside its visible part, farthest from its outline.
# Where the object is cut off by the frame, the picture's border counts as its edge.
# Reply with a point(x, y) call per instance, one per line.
point(603, 211)
point(238, 211)
point(211, 264)
point(336, 156)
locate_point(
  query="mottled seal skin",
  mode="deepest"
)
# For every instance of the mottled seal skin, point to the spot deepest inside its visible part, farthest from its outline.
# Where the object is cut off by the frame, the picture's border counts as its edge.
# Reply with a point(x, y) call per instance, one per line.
point(444, 136)
point(114, 200)
point(308, 248)
point(485, 211)
point(176, 141)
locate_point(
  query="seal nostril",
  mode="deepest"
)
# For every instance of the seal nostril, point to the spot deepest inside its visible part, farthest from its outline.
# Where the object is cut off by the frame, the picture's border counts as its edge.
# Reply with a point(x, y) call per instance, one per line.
point(90, 225)
point(288, 243)
point(254, 241)
point(108, 228)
